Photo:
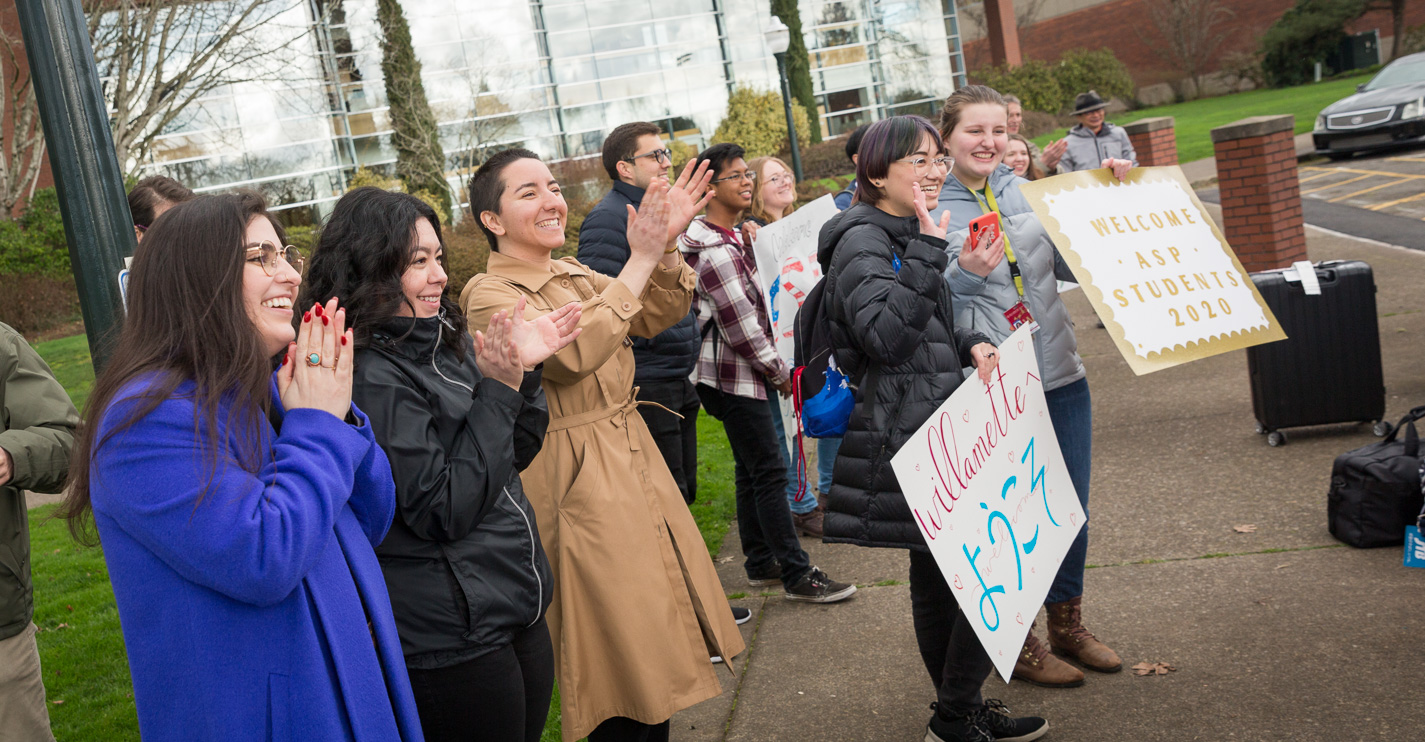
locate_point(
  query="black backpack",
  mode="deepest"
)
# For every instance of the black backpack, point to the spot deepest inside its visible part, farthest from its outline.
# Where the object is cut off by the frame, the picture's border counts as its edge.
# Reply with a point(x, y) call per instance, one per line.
point(1376, 489)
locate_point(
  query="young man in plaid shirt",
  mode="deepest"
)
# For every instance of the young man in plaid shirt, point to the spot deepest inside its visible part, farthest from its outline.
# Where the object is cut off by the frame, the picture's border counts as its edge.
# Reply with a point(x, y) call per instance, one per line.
point(738, 367)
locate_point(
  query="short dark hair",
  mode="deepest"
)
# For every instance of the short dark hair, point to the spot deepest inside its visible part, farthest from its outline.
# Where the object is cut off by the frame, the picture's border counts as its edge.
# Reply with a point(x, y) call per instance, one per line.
point(622, 143)
point(719, 155)
point(153, 191)
point(853, 142)
point(488, 184)
point(885, 142)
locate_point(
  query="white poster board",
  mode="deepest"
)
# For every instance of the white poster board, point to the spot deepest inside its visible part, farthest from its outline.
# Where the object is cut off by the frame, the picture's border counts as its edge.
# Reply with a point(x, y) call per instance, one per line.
point(787, 267)
point(987, 486)
point(1153, 264)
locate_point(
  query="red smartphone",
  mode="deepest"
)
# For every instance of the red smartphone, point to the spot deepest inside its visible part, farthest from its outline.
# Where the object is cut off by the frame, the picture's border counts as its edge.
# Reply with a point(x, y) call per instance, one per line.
point(984, 224)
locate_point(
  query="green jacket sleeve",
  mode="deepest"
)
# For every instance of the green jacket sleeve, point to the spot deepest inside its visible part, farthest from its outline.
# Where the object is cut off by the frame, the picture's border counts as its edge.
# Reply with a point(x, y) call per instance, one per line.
point(37, 420)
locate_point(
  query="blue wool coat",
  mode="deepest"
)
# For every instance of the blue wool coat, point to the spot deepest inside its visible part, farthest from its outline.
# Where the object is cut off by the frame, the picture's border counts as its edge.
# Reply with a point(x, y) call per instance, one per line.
point(245, 616)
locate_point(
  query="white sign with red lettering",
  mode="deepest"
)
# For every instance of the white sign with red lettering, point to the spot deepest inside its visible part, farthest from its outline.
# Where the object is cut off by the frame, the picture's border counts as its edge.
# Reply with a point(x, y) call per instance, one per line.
point(987, 486)
point(787, 267)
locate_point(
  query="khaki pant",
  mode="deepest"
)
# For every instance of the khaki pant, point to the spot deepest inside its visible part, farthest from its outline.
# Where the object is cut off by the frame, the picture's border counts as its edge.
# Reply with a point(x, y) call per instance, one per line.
point(23, 714)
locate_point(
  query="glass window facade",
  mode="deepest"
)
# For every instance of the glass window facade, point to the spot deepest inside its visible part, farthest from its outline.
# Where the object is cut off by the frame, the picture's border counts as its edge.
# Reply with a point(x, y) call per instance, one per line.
point(554, 76)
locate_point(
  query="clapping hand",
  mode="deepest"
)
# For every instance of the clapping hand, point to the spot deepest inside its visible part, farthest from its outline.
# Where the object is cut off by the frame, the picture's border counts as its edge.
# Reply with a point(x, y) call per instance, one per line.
point(649, 225)
point(1052, 153)
point(688, 195)
point(545, 335)
point(316, 371)
point(986, 359)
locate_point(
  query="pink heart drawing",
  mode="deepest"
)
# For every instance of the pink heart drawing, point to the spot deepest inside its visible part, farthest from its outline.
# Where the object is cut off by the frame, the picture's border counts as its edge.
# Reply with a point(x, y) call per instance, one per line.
point(966, 416)
point(1020, 618)
point(1021, 345)
point(917, 467)
point(958, 584)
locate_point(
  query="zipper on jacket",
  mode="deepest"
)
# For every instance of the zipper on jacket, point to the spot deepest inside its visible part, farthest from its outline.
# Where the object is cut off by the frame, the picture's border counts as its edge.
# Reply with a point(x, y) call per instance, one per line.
point(533, 563)
point(439, 335)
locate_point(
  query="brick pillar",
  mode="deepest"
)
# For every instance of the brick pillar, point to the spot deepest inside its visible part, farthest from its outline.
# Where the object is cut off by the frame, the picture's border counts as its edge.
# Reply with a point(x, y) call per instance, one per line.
point(1154, 141)
point(1261, 198)
point(1003, 33)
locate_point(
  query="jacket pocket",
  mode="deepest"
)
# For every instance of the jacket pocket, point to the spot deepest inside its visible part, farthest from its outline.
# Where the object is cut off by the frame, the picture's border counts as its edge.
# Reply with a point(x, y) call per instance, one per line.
point(583, 485)
point(463, 595)
point(279, 708)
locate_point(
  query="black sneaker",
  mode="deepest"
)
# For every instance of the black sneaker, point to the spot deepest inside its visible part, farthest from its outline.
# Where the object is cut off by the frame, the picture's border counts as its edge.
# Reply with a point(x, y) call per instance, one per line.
point(816, 587)
point(995, 716)
point(968, 727)
point(772, 575)
point(741, 615)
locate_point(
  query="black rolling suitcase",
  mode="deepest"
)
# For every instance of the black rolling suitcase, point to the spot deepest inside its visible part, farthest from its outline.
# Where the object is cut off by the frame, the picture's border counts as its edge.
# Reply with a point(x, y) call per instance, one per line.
point(1328, 370)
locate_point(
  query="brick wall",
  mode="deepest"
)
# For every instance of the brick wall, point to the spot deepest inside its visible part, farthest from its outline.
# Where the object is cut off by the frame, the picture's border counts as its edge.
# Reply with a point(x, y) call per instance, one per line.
point(10, 26)
point(1153, 140)
point(1260, 194)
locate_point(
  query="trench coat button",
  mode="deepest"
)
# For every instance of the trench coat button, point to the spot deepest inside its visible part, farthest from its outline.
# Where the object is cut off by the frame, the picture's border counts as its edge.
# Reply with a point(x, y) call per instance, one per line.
point(564, 283)
point(627, 306)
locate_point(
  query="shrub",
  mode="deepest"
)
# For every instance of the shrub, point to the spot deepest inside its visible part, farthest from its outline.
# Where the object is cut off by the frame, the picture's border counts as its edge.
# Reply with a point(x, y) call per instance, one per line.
point(32, 303)
point(1242, 68)
point(367, 177)
point(758, 122)
point(1414, 41)
point(303, 238)
point(466, 253)
point(1306, 33)
point(1081, 70)
point(824, 160)
point(1035, 82)
point(35, 244)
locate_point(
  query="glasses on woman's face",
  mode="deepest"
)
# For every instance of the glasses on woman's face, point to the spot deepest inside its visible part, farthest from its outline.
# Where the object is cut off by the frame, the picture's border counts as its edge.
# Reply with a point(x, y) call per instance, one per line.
point(922, 164)
point(749, 176)
point(266, 254)
point(660, 155)
point(780, 179)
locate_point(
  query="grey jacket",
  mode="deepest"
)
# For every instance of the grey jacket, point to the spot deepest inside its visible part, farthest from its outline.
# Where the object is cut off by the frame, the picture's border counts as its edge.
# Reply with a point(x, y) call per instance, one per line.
point(1087, 151)
point(980, 303)
point(37, 423)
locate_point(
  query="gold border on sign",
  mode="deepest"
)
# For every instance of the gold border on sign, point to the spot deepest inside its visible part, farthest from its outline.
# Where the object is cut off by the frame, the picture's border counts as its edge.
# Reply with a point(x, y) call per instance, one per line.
point(1037, 191)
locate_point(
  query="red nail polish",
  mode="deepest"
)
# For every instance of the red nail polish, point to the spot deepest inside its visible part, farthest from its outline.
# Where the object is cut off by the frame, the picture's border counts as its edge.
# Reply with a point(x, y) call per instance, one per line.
point(343, 340)
point(319, 310)
point(306, 316)
point(284, 359)
point(325, 322)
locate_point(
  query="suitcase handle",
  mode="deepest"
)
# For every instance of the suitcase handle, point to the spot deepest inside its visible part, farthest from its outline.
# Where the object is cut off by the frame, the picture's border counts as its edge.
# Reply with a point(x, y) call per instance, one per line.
point(1412, 436)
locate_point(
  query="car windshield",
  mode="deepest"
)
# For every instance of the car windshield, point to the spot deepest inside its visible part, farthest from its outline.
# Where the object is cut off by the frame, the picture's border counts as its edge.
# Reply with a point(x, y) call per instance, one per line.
point(1398, 74)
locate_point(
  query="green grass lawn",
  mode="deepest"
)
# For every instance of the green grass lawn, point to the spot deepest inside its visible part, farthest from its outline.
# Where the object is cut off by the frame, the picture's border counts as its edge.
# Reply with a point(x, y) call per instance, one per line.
point(1194, 120)
point(86, 671)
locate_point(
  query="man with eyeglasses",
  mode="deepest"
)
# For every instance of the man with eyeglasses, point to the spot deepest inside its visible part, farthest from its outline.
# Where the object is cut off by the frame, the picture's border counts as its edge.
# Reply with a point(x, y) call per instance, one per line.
point(738, 367)
point(634, 154)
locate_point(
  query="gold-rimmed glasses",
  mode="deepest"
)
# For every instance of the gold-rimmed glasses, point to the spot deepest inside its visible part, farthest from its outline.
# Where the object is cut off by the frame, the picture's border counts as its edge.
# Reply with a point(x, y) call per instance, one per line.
point(266, 253)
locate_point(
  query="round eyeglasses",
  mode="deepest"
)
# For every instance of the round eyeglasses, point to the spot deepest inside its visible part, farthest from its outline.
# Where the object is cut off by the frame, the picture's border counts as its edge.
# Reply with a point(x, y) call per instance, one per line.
point(266, 254)
point(922, 164)
point(750, 176)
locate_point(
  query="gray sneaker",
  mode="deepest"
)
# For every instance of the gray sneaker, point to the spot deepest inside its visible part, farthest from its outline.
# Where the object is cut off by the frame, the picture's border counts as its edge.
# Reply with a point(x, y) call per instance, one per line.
point(816, 587)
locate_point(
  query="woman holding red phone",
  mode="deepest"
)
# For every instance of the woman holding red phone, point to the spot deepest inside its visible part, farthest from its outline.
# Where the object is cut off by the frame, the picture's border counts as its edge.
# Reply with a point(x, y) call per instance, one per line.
point(1003, 275)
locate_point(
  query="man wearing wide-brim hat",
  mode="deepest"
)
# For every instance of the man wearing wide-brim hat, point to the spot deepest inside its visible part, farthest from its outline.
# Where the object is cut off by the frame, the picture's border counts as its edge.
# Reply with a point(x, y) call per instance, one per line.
point(1091, 142)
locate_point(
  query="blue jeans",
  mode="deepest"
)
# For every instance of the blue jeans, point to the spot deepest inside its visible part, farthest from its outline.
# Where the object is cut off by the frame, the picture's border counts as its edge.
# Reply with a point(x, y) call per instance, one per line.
point(826, 449)
point(1071, 412)
point(808, 501)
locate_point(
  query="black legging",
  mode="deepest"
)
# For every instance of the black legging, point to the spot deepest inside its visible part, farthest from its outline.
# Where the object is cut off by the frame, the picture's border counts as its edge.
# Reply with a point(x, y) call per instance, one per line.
point(953, 655)
point(622, 729)
point(502, 696)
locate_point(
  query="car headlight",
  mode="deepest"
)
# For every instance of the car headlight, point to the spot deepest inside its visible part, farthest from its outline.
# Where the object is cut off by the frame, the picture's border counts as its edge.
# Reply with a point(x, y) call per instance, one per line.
point(1414, 109)
point(1321, 122)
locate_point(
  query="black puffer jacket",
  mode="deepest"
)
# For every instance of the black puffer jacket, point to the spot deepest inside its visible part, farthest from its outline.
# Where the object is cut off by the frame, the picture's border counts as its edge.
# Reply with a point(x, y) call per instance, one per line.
point(899, 325)
point(603, 246)
point(462, 561)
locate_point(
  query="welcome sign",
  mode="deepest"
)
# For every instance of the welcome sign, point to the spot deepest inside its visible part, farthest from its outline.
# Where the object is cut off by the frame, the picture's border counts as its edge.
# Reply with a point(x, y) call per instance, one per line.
point(1154, 265)
point(987, 486)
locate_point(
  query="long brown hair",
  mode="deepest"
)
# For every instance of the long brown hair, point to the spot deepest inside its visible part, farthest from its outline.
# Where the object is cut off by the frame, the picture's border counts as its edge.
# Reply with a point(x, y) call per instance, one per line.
point(967, 96)
point(187, 322)
point(758, 210)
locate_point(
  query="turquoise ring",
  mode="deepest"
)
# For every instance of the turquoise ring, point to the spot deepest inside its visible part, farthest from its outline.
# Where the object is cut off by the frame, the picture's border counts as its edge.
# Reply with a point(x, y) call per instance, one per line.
point(314, 359)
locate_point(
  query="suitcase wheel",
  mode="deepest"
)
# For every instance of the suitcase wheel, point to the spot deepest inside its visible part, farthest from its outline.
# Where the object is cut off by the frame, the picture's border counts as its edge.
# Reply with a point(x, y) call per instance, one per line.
point(1276, 438)
point(1262, 429)
point(1382, 428)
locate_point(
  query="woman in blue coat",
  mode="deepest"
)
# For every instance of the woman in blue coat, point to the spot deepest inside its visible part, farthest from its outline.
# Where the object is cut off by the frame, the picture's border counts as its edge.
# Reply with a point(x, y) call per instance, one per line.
point(239, 507)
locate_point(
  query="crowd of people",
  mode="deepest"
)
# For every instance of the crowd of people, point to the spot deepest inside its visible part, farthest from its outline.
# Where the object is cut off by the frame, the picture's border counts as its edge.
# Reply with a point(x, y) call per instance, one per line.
point(339, 502)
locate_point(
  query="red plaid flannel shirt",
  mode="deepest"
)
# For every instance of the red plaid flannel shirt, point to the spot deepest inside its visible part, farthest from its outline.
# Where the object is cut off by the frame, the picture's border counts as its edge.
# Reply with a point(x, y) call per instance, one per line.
point(739, 354)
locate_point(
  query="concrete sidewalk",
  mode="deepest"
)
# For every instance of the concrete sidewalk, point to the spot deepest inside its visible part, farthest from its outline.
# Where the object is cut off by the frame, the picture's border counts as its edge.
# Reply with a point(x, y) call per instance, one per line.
point(1278, 634)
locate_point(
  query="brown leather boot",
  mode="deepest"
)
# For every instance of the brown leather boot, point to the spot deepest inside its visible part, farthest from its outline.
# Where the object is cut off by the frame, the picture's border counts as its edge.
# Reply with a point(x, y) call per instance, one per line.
point(1068, 637)
point(1036, 665)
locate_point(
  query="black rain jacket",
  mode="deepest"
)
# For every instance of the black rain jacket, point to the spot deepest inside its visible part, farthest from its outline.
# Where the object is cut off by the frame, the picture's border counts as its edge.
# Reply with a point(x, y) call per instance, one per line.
point(893, 333)
point(462, 561)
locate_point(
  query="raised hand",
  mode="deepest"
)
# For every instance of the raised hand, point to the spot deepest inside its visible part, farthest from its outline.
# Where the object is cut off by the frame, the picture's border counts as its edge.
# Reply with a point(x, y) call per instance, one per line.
point(982, 257)
point(928, 226)
point(1120, 168)
point(986, 358)
point(688, 195)
point(496, 354)
point(316, 372)
point(650, 223)
point(1052, 153)
point(539, 338)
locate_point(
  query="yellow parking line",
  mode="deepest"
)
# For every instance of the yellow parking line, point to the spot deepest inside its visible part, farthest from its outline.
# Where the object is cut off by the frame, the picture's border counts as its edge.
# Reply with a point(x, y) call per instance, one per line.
point(1378, 207)
point(1347, 181)
point(1367, 190)
point(1319, 174)
point(1385, 173)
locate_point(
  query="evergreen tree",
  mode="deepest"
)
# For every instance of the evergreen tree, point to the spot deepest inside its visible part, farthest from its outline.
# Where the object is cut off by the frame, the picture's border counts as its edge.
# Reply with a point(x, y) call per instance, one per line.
point(798, 63)
point(420, 160)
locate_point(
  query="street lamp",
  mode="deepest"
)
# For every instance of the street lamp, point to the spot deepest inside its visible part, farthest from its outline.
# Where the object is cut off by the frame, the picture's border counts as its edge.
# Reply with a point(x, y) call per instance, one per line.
point(779, 37)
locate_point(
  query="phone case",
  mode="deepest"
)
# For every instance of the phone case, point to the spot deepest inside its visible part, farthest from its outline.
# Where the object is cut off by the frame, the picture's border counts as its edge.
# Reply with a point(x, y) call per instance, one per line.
point(985, 222)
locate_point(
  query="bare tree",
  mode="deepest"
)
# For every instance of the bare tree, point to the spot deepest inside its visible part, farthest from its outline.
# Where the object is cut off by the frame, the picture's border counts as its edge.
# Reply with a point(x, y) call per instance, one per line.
point(1193, 31)
point(159, 57)
point(1397, 22)
point(483, 117)
point(22, 152)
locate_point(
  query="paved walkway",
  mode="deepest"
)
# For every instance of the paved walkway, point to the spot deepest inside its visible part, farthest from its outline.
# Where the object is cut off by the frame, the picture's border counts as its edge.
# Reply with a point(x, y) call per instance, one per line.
point(1278, 634)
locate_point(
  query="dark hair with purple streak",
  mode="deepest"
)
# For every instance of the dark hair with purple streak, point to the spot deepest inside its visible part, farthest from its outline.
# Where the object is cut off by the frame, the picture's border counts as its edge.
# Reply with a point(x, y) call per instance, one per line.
point(885, 142)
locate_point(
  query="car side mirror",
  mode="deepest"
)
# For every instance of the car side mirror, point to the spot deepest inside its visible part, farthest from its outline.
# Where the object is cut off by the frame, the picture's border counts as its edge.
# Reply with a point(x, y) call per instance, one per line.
point(1360, 87)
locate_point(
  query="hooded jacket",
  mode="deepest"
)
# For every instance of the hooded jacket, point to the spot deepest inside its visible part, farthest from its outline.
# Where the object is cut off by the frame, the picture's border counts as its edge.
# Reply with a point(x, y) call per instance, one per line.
point(1087, 151)
point(892, 331)
point(603, 246)
point(463, 561)
point(980, 303)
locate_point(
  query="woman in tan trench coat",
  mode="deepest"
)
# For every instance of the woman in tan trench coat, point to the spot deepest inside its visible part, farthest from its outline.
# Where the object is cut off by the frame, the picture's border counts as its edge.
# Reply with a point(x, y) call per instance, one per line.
point(637, 606)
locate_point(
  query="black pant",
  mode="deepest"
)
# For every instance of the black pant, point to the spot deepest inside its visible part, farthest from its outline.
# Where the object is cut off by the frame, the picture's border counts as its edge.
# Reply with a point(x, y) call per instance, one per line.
point(953, 655)
point(677, 439)
point(623, 729)
point(763, 518)
point(502, 696)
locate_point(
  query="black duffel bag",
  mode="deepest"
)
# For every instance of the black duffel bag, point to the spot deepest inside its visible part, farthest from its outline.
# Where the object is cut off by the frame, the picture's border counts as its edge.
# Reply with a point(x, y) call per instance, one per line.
point(1376, 490)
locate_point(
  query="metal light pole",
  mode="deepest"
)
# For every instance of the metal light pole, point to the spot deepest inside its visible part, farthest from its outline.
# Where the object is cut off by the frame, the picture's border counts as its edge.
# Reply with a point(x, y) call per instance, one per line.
point(90, 184)
point(779, 37)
